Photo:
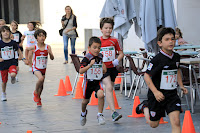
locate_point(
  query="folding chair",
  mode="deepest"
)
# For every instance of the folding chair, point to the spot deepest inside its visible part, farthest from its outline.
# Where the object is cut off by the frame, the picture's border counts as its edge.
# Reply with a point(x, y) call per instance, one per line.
point(76, 62)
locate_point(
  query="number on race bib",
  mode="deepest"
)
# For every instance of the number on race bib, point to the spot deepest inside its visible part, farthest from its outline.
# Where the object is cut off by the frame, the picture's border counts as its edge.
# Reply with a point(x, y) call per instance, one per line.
point(95, 72)
point(108, 53)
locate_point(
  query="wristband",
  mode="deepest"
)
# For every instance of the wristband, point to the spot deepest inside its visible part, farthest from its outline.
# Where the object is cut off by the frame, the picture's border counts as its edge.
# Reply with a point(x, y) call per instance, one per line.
point(23, 59)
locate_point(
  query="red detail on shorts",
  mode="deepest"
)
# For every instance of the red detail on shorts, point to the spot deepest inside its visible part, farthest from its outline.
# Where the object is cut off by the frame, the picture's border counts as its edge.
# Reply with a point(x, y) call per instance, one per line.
point(4, 73)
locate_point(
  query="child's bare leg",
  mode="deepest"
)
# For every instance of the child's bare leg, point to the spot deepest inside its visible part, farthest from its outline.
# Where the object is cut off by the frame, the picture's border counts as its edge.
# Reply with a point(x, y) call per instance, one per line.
point(41, 88)
point(146, 114)
point(4, 87)
point(154, 124)
point(84, 104)
point(175, 121)
point(30, 56)
point(40, 81)
point(100, 96)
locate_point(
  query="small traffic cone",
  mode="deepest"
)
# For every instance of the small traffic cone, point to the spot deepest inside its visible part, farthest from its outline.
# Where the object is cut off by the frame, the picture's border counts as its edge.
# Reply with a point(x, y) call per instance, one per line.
point(94, 100)
point(29, 131)
point(162, 121)
point(79, 91)
point(115, 101)
point(135, 104)
point(81, 78)
point(118, 79)
point(68, 85)
point(61, 89)
point(188, 126)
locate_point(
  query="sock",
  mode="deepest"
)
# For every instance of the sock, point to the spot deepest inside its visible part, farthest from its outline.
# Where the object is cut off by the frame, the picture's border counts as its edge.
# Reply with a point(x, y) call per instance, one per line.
point(98, 114)
point(3, 93)
point(83, 113)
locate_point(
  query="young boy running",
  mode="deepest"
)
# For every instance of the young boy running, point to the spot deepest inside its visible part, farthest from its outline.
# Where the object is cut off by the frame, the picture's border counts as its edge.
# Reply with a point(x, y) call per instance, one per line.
point(162, 76)
point(7, 60)
point(93, 67)
point(109, 48)
point(40, 56)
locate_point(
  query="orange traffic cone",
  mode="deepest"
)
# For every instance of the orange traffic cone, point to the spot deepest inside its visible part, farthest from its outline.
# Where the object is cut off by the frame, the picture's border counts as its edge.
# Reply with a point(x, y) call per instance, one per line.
point(94, 100)
point(115, 101)
point(162, 121)
point(118, 80)
point(135, 104)
point(81, 78)
point(188, 126)
point(29, 131)
point(68, 85)
point(61, 89)
point(79, 91)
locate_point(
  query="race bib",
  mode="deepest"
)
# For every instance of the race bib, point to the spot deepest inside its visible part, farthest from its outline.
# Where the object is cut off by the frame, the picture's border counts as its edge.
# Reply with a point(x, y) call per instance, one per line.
point(95, 72)
point(168, 79)
point(16, 37)
point(31, 39)
point(108, 53)
point(41, 62)
point(7, 53)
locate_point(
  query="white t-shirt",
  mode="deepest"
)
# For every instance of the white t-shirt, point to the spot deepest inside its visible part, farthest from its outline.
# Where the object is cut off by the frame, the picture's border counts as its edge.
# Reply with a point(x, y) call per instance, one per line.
point(30, 38)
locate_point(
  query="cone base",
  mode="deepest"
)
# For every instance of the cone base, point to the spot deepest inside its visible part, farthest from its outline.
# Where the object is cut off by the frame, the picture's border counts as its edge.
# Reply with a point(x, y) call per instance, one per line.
point(92, 104)
point(136, 116)
point(115, 108)
point(62, 95)
point(77, 98)
point(163, 122)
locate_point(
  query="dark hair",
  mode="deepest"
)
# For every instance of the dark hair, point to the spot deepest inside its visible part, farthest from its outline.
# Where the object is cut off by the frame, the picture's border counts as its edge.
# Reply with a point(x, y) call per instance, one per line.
point(36, 24)
point(3, 28)
point(15, 23)
point(94, 39)
point(106, 20)
point(163, 31)
point(37, 33)
point(179, 31)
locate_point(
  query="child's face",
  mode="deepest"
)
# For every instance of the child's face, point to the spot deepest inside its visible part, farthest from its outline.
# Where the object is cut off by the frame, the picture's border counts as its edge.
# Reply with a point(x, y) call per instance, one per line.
point(177, 35)
point(5, 34)
point(13, 26)
point(41, 38)
point(107, 29)
point(95, 48)
point(167, 43)
point(30, 26)
point(2, 23)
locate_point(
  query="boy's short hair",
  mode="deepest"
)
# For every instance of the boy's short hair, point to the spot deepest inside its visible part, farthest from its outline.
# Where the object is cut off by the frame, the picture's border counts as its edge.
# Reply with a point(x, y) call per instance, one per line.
point(94, 39)
point(3, 20)
point(37, 33)
point(3, 28)
point(106, 20)
point(163, 31)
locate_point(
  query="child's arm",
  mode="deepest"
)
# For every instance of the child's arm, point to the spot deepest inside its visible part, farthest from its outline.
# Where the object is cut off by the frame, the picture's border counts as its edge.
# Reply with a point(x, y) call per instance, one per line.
point(158, 95)
point(26, 52)
point(20, 54)
point(119, 58)
point(50, 53)
point(104, 68)
point(84, 69)
point(179, 79)
point(1, 59)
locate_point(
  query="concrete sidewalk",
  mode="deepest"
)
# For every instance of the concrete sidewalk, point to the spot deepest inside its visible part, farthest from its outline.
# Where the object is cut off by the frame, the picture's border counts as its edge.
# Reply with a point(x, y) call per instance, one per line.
point(62, 114)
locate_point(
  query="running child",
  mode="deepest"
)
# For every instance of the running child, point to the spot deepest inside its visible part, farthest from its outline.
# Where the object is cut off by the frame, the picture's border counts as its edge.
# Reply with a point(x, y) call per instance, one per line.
point(93, 67)
point(162, 76)
point(7, 60)
point(40, 56)
point(31, 41)
point(109, 48)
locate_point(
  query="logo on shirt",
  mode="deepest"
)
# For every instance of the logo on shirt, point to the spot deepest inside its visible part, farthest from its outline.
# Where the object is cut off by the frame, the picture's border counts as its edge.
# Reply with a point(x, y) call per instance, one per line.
point(150, 66)
point(178, 104)
point(153, 114)
point(166, 67)
point(177, 64)
point(41, 52)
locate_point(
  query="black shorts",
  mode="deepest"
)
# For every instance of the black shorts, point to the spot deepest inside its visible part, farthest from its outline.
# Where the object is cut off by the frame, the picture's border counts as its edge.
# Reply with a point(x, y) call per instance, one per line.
point(21, 48)
point(112, 72)
point(90, 86)
point(157, 109)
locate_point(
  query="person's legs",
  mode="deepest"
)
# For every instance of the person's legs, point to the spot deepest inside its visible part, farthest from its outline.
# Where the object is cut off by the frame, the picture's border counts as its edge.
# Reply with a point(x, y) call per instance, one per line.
point(39, 85)
point(30, 56)
point(100, 96)
point(84, 111)
point(84, 104)
point(175, 121)
point(4, 76)
point(73, 41)
point(65, 40)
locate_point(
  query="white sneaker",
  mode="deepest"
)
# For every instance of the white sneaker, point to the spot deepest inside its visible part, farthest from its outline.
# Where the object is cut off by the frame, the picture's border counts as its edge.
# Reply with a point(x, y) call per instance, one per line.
point(16, 78)
point(101, 119)
point(30, 69)
point(83, 119)
point(13, 80)
point(3, 97)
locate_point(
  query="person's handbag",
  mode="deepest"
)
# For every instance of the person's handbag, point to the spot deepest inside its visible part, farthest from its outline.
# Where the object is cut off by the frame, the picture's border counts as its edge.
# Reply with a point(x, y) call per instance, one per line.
point(61, 30)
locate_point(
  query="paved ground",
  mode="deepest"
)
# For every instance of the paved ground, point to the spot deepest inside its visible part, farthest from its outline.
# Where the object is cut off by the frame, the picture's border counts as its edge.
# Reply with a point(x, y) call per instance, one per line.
point(61, 114)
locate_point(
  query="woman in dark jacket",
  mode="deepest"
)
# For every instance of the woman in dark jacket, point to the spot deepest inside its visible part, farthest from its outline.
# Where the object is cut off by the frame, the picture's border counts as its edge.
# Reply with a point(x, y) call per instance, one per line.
point(69, 24)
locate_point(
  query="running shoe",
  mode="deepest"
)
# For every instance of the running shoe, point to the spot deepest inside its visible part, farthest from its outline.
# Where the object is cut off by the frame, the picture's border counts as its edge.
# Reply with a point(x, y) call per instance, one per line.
point(30, 69)
point(36, 97)
point(39, 104)
point(3, 97)
point(141, 106)
point(16, 78)
point(13, 80)
point(83, 119)
point(116, 116)
point(101, 119)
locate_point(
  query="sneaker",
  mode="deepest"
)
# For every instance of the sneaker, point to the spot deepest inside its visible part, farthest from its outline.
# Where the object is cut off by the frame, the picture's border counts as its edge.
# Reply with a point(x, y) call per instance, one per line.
point(116, 116)
point(3, 97)
point(16, 78)
point(39, 104)
point(13, 80)
point(83, 119)
point(30, 69)
point(101, 119)
point(65, 62)
point(35, 97)
point(141, 106)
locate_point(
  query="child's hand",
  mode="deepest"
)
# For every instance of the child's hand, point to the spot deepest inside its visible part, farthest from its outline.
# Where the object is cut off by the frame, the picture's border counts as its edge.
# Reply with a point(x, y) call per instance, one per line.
point(159, 96)
point(92, 62)
point(49, 50)
point(115, 62)
point(185, 91)
point(1, 60)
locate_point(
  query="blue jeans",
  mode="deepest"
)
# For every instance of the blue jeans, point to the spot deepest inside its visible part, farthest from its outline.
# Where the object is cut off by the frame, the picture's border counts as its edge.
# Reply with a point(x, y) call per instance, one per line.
point(65, 40)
